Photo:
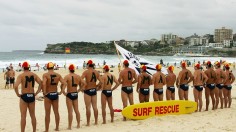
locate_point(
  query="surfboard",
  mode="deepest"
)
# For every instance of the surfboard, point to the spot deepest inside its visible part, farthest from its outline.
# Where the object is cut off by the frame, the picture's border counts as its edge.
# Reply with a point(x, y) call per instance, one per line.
point(159, 108)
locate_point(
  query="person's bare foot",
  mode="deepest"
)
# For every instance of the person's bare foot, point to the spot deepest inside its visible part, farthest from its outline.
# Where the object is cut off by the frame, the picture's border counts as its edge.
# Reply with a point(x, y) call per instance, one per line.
point(69, 128)
point(206, 109)
point(78, 126)
point(104, 122)
point(56, 129)
point(96, 122)
point(112, 120)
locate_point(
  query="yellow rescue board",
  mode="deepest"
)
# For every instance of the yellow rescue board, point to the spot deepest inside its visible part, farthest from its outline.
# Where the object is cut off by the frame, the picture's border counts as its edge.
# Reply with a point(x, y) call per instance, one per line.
point(159, 108)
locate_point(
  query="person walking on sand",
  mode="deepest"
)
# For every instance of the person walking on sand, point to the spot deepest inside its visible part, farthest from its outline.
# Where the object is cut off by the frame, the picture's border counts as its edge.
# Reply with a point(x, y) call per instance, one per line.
point(210, 86)
point(7, 78)
point(12, 77)
point(127, 77)
point(50, 91)
point(73, 81)
point(228, 86)
point(170, 82)
point(184, 78)
point(159, 80)
point(27, 81)
point(220, 80)
point(144, 82)
point(199, 79)
point(106, 96)
point(91, 77)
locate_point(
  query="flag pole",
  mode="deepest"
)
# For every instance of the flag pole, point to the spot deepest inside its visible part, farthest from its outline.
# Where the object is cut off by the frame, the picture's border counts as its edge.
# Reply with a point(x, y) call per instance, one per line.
point(118, 54)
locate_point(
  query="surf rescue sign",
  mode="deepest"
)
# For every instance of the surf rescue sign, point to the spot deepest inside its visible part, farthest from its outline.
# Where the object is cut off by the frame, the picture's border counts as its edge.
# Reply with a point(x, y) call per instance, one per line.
point(158, 110)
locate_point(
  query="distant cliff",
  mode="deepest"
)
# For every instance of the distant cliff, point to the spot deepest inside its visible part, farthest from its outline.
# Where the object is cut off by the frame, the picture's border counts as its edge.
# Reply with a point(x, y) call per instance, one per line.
point(107, 48)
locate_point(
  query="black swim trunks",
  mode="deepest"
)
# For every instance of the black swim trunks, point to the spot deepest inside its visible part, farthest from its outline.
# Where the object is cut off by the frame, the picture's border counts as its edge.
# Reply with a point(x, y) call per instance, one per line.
point(220, 86)
point(72, 96)
point(211, 86)
point(144, 91)
point(91, 92)
point(184, 87)
point(228, 87)
point(28, 98)
point(52, 96)
point(7, 80)
point(12, 80)
point(107, 93)
point(127, 90)
point(159, 91)
point(172, 89)
point(198, 88)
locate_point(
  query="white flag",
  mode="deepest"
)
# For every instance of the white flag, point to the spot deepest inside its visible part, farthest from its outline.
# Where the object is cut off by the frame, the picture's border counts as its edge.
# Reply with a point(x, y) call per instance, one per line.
point(135, 62)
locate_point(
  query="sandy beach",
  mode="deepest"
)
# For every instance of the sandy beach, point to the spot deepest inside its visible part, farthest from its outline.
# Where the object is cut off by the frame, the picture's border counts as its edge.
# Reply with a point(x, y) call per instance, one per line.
point(217, 120)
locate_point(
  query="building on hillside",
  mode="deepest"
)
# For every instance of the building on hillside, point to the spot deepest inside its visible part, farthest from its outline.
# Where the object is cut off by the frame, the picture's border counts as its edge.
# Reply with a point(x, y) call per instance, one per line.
point(216, 45)
point(168, 38)
point(223, 34)
point(234, 37)
point(198, 40)
point(191, 50)
point(228, 43)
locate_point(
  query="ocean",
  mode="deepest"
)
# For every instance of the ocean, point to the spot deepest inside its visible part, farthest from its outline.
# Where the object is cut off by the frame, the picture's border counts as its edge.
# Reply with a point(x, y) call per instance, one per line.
point(61, 59)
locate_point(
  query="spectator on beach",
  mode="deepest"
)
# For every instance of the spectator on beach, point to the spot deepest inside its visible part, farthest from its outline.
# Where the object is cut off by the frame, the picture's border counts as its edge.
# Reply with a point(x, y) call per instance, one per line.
point(161, 62)
point(37, 65)
point(104, 63)
point(7, 78)
point(84, 65)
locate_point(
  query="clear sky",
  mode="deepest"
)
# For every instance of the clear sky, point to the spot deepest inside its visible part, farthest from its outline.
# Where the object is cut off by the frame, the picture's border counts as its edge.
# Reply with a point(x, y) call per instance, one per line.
point(31, 24)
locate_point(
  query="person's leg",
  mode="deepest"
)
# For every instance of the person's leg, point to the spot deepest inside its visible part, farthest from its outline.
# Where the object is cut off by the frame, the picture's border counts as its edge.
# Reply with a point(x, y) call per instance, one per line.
point(77, 113)
point(200, 101)
point(225, 95)
point(70, 110)
point(181, 94)
point(87, 101)
point(221, 98)
point(103, 103)
point(213, 99)
point(109, 101)
point(47, 106)
point(155, 96)
point(141, 97)
point(230, 98)
point(186, 95)
point(95, 108)
point(207, 96)
point(168, 94)
point(147, 98)
point(195, 94)
point(217, 97)
point(32, 115)
point(160, 97)
point(124, 98)
point(55, 106)
point(23, 112)
point(131, 99)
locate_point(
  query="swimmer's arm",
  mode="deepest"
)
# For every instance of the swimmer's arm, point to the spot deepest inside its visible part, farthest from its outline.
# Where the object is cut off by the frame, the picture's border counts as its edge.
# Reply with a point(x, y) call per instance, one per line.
point(101, 82)
point(135, 77)
point(191, 77)
point(117, 83)
point(178, 78)
point(18, 81)
point(63, 85)
point(151, 83)
point(44, 84)
point(5, 76)
point(82, 85)
point(83, 75)
point(120, 78)
point(153, 79)
point(139, 83)
point(39, 81)
point(224, 77)
point(232, 78)
point(164, 80)
point(64, 89)
point(205, 78)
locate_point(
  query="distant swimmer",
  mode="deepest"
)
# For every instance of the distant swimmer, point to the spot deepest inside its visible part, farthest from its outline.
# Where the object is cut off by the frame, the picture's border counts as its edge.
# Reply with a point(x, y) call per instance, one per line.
point(106, 96)
point(27, 81)
point(50, 91)
point(199, 80)
point(127, 77)
point(144, 82)
point(210, 85)
point(170, 84)
point(220, 80)
point(7, 78)
point(159, 80)
point(91, 77)
point(73, 81)
point(228, 86)
point(12, 77)
point(184, 78)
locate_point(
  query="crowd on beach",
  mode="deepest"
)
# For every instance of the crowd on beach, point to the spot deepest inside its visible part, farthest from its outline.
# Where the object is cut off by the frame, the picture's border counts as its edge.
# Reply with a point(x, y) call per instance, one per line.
point(216, 80)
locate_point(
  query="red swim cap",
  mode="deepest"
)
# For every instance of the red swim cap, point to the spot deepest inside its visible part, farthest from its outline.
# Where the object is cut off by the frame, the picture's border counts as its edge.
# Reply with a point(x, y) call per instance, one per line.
point(227, 65)
point(183, 64)
point(25, 65)
point(198, 66)
point(217, 63)
point(126, 62)
point(158, 66)
point(72, 67)
point(106, 67)
point(50, 65)
point(89, 62)
point(171, 68)
point(143, 67)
